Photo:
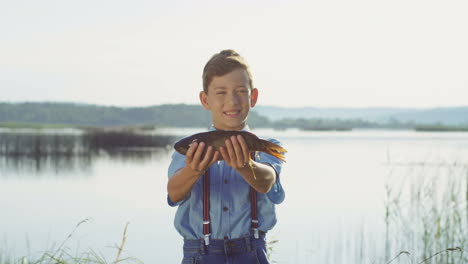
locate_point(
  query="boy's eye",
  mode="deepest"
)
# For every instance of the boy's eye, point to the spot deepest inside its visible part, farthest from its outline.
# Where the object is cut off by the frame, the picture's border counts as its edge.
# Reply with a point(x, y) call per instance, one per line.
point(220, 92)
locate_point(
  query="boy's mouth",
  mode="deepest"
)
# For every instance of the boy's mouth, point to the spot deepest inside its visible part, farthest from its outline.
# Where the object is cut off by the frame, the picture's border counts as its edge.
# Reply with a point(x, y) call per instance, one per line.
point(232, 113)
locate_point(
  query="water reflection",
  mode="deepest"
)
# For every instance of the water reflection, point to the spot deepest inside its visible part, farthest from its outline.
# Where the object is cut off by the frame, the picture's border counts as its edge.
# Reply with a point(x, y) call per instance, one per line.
point(37, 145)
point(61, 154)
point(44, 165)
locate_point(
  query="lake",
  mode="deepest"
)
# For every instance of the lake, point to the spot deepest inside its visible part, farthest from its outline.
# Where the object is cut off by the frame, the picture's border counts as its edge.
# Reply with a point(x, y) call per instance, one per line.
point(360, 196)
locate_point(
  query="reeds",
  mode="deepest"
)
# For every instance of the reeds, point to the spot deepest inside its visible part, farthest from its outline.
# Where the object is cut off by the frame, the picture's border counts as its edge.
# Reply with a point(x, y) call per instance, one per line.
point(62, 254)
point(47, 144)
point(125, 139)
point(59, 152)
point(426, 213)
point(40, 144)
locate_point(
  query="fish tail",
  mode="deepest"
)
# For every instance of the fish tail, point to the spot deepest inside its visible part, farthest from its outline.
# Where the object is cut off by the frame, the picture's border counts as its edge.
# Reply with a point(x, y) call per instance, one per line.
point(273, 149)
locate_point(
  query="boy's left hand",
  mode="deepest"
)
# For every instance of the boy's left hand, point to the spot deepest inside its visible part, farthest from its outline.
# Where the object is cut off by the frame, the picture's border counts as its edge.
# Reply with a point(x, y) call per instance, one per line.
point(236, 153)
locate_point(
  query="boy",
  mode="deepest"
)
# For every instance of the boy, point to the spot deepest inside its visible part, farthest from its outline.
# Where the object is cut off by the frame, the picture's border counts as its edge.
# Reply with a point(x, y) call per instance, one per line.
point(223, 212)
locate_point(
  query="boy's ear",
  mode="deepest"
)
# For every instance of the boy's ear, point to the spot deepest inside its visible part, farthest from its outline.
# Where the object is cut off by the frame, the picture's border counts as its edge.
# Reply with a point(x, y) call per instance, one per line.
point(254, 97)
point(204, 100)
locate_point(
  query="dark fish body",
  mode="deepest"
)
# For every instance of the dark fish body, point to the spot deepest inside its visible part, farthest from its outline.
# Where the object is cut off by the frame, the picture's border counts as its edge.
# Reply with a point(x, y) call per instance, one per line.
point(217, 139)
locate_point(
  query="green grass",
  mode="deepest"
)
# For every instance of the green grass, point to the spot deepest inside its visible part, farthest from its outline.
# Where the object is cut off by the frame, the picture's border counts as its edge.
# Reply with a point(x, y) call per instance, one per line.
point(63, 255)
point(13, 125)
point(441, 128)
point(426, 213)
point(18, 125)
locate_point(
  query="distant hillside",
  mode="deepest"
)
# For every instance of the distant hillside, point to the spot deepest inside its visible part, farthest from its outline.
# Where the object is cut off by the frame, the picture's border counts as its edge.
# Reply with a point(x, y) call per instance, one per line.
point(182, 115)
point(449, 116)
point(446, 115)
point(177, 115)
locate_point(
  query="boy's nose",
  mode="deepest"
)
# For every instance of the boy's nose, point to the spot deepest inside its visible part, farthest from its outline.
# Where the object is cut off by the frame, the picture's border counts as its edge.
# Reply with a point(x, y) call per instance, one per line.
point(233, 99)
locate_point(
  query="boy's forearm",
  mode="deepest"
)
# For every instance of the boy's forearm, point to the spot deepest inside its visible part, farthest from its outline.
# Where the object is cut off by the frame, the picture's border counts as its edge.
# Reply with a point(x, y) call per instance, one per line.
point(181, 183)
point(265, 176)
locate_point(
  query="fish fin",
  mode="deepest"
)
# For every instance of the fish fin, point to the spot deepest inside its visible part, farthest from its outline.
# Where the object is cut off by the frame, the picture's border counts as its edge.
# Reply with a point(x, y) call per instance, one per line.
point(273, 149)
point(252, 169)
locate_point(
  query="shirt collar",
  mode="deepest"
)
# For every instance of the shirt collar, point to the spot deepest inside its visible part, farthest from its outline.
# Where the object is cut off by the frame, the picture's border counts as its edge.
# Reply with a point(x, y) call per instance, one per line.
point(246, 128)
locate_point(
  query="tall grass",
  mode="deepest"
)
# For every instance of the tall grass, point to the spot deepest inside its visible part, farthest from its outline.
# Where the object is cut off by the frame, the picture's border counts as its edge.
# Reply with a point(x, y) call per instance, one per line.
point(425, 220)
point(426, 215)
point(63, 255)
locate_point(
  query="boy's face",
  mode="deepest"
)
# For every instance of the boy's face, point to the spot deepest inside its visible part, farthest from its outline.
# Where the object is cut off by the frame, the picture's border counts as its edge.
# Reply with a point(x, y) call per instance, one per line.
point(229, 99)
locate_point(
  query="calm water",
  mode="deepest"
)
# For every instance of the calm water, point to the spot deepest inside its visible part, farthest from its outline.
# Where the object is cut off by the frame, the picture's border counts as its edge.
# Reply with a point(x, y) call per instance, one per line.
point(337, 188)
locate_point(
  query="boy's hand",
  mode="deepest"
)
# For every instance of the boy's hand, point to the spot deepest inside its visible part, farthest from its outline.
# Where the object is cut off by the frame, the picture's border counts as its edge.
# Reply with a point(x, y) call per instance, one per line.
point(194, 159)
point(236, 153)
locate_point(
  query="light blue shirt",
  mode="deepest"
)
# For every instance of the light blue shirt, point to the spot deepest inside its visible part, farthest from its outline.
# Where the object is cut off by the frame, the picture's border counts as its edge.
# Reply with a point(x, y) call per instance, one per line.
point(230, 211)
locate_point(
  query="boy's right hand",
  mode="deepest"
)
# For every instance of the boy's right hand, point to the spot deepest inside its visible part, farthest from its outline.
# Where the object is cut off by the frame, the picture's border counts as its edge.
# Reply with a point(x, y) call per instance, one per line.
point(195, 160)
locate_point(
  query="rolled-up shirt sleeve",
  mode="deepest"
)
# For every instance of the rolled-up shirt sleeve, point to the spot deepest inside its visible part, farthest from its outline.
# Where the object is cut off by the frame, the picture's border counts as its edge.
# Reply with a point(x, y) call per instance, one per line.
point(276, 194)
point(177, 163)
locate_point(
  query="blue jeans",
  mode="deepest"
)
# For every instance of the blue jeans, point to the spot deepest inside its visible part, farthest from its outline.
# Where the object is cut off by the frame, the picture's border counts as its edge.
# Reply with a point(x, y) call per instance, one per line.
point(245, 250)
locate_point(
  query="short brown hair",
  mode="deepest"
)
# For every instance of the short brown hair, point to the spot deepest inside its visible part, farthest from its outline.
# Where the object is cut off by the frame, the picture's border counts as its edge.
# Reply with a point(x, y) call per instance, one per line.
point(223, 63)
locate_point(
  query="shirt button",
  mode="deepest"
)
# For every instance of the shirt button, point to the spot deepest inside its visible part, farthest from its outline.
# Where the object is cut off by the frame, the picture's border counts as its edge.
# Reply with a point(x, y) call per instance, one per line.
point(225, 208)
point(225, 181)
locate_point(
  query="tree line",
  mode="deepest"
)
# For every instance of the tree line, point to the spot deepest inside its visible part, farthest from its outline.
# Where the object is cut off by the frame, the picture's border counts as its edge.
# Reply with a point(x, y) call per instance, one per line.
point(74, 114)
point(169, 115)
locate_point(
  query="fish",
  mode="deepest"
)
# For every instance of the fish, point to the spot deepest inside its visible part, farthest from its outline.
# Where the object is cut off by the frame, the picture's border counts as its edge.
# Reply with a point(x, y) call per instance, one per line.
point(217, 139)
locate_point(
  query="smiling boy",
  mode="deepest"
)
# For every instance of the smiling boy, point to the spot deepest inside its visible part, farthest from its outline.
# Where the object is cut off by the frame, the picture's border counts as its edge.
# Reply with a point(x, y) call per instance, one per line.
point(224, 213)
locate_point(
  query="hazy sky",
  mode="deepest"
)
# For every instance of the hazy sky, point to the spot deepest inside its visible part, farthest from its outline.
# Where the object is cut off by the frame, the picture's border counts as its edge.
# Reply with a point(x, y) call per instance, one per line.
point(302, 53)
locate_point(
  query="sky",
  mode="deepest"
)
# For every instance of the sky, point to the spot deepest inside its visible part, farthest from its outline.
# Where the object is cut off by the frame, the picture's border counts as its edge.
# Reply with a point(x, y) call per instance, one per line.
point(336, 53)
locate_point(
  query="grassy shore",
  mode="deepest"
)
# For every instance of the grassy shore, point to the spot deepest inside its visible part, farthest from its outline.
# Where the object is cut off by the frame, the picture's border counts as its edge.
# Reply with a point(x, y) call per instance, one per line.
point(12, 125)
point(15, 125)
point(63, 255)
point(441, 128)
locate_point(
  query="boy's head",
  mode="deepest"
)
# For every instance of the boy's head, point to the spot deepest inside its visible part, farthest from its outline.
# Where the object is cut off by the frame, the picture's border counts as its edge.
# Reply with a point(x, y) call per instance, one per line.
point(227, 90)
point(222, 63)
